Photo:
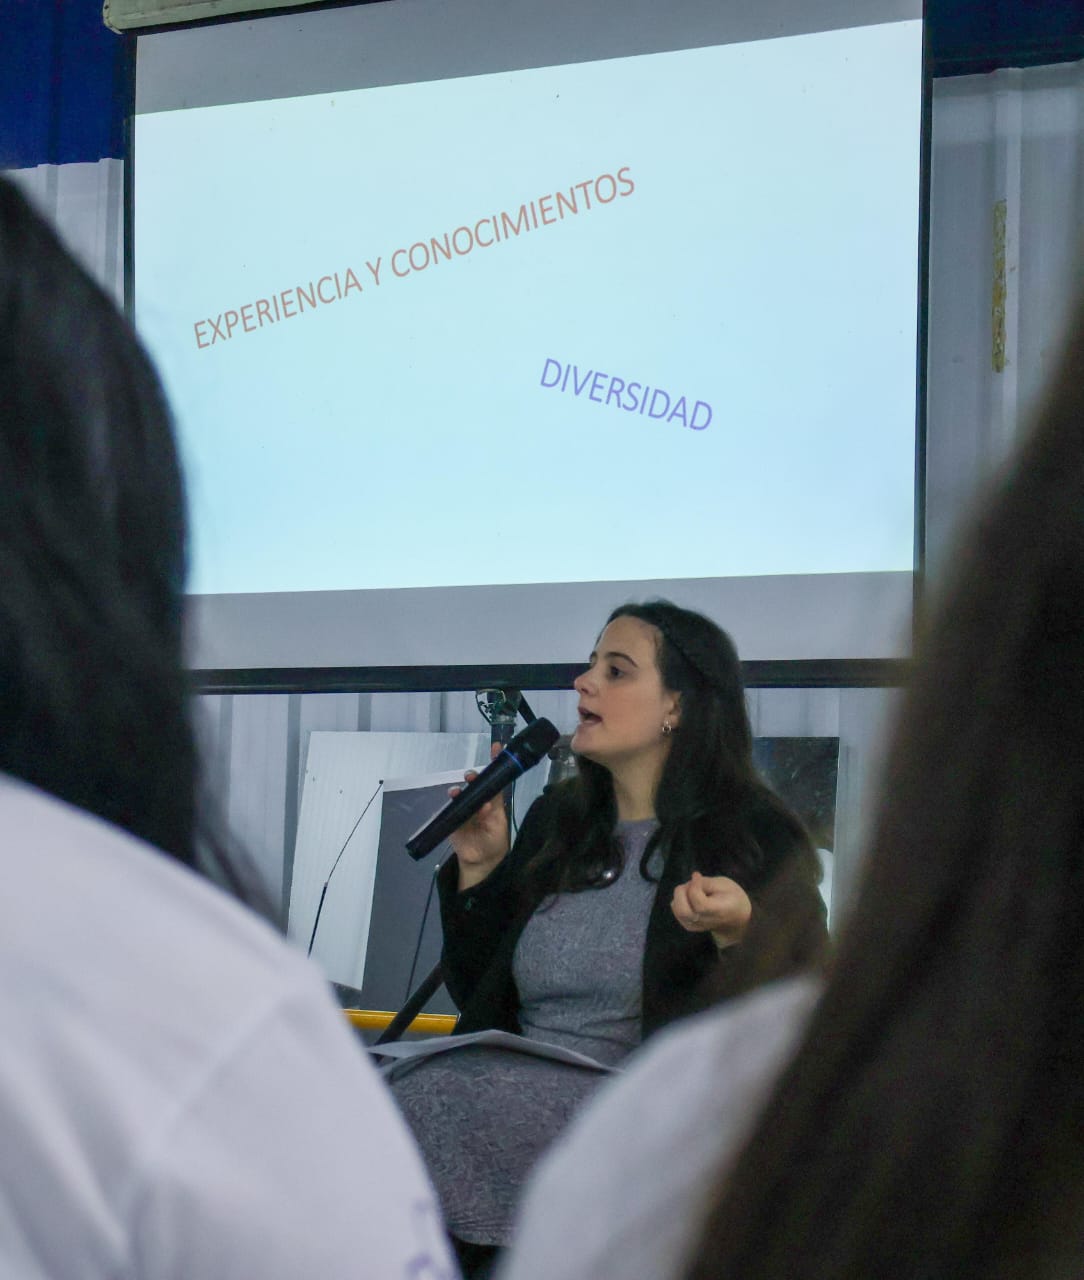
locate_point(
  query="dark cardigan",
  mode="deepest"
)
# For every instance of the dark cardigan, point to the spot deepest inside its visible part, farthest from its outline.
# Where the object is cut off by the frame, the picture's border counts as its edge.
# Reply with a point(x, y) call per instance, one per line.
point(683, 972)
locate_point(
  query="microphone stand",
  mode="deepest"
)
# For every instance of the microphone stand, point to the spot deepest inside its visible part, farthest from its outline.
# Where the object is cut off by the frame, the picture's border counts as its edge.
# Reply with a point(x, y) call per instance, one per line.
point(419, 998)
point(499, 706)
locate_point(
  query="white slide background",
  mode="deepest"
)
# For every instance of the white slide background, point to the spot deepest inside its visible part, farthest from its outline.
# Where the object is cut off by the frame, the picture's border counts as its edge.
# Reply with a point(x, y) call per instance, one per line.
point(765, 264)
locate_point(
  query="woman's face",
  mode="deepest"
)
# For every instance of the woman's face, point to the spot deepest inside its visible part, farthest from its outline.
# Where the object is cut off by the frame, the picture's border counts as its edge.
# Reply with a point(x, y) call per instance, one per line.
point(623, 702)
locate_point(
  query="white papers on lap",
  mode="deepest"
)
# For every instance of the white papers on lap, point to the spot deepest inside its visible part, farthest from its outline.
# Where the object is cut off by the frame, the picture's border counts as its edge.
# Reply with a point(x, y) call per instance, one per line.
point(402, 1055)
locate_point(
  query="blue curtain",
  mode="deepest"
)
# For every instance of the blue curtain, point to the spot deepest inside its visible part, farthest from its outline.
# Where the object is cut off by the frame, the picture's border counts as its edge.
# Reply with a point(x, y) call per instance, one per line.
point(63, 84)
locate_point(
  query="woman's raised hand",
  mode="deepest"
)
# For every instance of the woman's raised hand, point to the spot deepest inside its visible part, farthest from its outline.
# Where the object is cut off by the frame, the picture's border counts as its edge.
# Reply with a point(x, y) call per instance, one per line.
point(482, 841)
point(712, 903)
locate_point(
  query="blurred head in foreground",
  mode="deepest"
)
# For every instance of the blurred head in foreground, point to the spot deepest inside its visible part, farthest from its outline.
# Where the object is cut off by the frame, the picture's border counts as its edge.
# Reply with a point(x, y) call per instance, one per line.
point(93, 694)
point(933, 1121)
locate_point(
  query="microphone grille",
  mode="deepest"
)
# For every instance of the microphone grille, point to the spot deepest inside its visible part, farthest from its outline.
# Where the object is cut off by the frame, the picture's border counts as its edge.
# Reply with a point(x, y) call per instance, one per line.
point(537, 739)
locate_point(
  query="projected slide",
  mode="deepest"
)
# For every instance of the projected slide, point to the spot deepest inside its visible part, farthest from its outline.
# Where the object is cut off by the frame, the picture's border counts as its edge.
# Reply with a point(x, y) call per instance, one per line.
point(643, 318)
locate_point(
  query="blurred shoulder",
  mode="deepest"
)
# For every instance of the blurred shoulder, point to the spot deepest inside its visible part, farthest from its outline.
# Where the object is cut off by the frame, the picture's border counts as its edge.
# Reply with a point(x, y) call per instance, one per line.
point(85, 898)
point(685, 1104)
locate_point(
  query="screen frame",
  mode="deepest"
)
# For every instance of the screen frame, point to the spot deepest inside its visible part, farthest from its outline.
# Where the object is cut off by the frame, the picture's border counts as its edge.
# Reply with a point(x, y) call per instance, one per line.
point(758, 673)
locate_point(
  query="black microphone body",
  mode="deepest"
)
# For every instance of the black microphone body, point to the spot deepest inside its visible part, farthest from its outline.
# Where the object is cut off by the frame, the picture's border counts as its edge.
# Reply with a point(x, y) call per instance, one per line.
point(525, 750)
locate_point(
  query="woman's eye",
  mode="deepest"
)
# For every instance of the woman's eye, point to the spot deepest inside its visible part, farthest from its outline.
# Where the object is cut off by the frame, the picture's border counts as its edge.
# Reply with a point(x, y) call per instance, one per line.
point(615, 672)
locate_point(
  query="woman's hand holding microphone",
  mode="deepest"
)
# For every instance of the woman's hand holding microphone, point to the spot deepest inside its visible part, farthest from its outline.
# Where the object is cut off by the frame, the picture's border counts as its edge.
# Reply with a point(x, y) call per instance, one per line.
point(481, 843)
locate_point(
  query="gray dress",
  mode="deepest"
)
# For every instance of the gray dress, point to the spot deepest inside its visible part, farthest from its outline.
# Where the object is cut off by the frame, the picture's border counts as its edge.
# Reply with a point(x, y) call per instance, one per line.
point(483, 1115)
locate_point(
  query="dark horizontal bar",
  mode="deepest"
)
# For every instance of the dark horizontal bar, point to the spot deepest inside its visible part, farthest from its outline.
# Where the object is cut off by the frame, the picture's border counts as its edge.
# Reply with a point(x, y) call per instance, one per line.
point(981, 61)
point(816, 673)
point(827, 673)
point(386, 679)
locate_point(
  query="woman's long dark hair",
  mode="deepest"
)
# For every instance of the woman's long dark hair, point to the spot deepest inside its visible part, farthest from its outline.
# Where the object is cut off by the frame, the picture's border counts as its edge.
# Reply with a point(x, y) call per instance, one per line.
point(710, 800)
point(932, 1122)
point(94, 699)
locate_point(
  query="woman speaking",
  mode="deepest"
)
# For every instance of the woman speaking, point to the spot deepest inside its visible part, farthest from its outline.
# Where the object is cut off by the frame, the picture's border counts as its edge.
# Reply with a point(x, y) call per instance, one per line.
point(664, 877)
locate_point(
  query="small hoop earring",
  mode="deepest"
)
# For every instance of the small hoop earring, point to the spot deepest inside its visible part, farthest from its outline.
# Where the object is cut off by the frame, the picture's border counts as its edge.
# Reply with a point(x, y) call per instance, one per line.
point(667, 728)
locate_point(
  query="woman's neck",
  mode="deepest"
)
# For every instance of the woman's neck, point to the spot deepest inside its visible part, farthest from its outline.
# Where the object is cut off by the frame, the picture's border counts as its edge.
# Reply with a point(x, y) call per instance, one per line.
point(634, 794)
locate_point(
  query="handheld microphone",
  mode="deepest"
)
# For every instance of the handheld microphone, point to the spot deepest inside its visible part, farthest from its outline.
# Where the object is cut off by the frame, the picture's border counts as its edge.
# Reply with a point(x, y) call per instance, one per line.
point(524, 751)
